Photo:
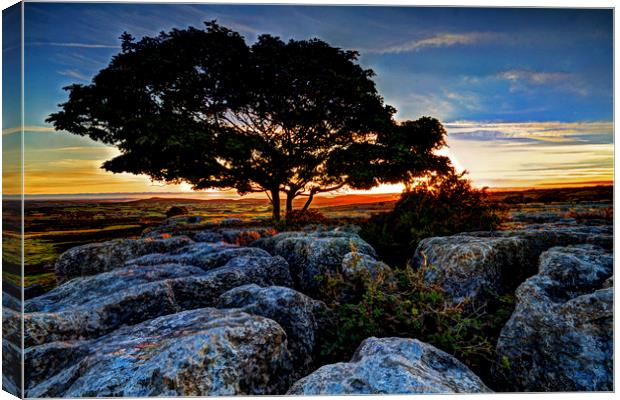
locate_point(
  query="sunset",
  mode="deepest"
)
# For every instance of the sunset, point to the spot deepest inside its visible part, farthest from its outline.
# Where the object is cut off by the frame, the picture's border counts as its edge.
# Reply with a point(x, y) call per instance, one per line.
point(215, 199)
point(498, 155)
point(526, 107)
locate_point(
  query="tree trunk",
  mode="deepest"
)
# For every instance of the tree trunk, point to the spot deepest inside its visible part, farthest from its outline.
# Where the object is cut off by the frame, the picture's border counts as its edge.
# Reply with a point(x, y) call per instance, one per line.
point(275, 204)
point(310, 197)
point(289, 201)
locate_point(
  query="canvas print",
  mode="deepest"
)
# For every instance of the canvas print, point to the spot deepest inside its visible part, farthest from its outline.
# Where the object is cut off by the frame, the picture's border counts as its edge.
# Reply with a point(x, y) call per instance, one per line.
point(229, 199)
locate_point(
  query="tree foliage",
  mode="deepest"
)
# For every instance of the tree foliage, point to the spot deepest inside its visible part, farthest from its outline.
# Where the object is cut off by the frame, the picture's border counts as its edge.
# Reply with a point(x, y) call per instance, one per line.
point(202, 106)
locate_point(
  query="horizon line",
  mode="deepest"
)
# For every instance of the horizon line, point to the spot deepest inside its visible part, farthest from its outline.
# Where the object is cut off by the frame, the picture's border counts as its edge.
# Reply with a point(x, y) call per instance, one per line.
point(228, 196)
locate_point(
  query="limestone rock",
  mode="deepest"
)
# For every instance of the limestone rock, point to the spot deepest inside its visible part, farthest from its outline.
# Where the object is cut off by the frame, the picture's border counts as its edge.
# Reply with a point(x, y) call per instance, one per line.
point(478, 265)
point(469, 267)
point(95, 258)
point(92, 306)
point(355, 265)
point(312, 255)
point(11, 366)
point(204, 255)
point(201, 352)
point(560, 336)
point(299, 315)
point(392, 366)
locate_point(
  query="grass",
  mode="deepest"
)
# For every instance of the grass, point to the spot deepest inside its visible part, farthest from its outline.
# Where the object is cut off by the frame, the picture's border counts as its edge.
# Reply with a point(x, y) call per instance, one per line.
point(45, 279)
point(39, 252)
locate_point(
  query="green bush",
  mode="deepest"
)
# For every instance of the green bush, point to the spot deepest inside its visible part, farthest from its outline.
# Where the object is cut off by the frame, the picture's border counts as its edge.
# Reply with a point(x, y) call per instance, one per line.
point(402, 304)
point(442, 205)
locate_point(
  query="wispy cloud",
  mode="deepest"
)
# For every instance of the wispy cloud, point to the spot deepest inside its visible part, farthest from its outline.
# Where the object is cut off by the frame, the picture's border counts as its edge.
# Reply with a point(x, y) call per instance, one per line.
point(96, 149)
point(539, 78)
point(74, 73)
point(73, 44)
point(441, 103)
point(520, 79)
point(76, 59)
point(438, 40)
point(424, 104)
point(27, 128)
point(550, 131)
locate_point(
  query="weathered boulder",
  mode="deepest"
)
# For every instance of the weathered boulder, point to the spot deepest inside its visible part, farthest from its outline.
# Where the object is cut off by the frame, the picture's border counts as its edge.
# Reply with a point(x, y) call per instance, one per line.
point(312, 255)
point(469, 267)
point(44, 361)
point(12, 325)
point(300, 316)
point(201, 352)
point(204, 255)
point(11, 344)
point(92, 306)
point(93, 289)
point(95, 258)
point(11, 367)
point(560, 336)
point(543, 236)
point(392, 366)
point(479, 265)
point(355, 265)
point(11, 302)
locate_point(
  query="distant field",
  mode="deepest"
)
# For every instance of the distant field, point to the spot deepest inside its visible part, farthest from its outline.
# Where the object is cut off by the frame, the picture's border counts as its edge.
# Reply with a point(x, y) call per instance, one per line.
point(53, 226)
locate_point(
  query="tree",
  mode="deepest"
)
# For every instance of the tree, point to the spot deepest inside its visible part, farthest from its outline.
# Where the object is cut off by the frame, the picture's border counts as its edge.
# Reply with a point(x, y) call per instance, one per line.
point(203, 107)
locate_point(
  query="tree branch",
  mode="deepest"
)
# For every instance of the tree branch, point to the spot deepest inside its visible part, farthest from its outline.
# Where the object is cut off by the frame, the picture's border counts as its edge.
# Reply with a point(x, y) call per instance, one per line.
point(316, 190)
point(329, 189)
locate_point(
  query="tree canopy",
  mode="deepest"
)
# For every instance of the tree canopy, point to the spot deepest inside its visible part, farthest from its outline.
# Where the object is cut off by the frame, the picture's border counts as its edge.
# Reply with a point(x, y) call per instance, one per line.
point(204, 107)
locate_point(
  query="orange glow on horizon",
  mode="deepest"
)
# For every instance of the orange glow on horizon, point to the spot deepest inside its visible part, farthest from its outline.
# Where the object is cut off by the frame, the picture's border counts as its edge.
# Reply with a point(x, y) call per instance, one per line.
point(71, 165)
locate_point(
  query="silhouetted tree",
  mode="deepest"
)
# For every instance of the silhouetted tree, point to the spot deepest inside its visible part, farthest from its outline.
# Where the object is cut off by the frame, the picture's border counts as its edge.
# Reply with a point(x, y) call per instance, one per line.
point(201, 106)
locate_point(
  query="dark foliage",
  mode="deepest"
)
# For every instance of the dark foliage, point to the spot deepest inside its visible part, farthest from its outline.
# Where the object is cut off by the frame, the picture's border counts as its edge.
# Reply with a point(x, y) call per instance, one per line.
point(298, 218)
point(176, 210)
point(440, 206)
point(403, 304)
point(517, 199)
point(201, 106)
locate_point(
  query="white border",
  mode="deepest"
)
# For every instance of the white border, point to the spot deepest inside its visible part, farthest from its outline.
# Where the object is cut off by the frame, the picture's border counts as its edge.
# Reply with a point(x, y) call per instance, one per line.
point(458, 3)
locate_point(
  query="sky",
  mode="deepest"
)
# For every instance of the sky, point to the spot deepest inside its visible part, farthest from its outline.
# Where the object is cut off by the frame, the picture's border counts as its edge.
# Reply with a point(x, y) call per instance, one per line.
point(526, 95)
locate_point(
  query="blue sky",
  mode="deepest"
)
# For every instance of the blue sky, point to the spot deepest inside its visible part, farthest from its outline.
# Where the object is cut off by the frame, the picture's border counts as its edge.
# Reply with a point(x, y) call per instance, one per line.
point(503, 81)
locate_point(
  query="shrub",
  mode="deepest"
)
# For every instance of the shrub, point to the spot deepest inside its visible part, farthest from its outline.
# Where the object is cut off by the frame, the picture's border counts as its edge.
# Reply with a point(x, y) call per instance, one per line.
point(301, 217)
point(176, 210)
point(440, 206)
point(402, 304)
